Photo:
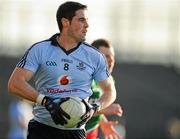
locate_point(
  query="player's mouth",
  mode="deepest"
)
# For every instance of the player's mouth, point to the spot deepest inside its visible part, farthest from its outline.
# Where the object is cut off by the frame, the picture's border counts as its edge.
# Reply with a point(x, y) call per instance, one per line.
point(84, 32)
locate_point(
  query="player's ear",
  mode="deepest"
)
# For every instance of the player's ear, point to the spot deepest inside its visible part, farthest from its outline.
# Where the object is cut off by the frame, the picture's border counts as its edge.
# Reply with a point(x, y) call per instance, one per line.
point(65, 22)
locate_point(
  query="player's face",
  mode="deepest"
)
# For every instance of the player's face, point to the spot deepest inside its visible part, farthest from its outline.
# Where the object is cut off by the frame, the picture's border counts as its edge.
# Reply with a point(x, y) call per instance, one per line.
point(109, 54)
point(78, 26)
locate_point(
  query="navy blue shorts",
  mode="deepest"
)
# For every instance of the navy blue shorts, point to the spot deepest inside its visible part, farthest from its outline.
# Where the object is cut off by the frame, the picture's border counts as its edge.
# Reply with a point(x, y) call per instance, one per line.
point(38, 130)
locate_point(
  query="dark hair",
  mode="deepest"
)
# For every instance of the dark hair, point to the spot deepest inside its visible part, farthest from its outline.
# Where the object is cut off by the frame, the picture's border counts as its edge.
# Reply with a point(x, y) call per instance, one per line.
point(101, 42)
point(67, 10)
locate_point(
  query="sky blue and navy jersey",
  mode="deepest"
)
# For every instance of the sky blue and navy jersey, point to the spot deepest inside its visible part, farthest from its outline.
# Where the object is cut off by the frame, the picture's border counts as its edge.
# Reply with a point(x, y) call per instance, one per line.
point(60, 73)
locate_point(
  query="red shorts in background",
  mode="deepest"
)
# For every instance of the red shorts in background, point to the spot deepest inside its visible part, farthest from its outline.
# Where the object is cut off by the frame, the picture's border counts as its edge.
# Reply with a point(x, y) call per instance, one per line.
point(92, 134)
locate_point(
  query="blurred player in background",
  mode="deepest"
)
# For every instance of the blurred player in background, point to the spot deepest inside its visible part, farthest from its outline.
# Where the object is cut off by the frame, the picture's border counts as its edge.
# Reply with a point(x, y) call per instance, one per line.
point(20, 112)
point(107, 127)
point(62, 66)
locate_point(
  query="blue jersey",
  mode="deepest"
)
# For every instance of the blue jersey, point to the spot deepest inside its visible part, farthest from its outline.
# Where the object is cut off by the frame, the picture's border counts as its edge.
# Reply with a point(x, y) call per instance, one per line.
point(61, 73)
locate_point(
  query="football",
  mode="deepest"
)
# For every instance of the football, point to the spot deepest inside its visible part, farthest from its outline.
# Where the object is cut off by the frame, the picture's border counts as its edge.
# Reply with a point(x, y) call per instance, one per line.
point(75, 108)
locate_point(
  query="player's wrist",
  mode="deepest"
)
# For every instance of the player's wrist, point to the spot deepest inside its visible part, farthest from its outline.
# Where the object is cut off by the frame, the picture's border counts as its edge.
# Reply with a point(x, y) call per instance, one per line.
point(42, 99)
point(97, 106)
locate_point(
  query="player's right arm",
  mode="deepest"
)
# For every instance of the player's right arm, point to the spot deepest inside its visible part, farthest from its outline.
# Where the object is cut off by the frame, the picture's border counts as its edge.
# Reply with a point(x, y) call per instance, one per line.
point(18, 84)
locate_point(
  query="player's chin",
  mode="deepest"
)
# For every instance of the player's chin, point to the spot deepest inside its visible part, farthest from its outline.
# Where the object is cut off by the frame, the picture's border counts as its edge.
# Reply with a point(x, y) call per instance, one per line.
point(83, 39)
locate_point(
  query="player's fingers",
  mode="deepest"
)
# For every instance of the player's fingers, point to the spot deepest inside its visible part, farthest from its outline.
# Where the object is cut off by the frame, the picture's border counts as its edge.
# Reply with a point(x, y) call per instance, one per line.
point(114, 122)
point(62, 112)
point(105, 136)
point(116, 136)
point(110, 136)
point(119, 111)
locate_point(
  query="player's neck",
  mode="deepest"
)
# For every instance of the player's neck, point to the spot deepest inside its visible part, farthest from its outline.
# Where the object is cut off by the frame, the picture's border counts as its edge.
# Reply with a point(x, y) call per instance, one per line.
point(66, 42)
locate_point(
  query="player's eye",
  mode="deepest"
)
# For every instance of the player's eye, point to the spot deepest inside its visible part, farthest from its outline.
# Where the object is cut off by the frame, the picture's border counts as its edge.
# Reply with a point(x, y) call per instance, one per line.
point(82, 20)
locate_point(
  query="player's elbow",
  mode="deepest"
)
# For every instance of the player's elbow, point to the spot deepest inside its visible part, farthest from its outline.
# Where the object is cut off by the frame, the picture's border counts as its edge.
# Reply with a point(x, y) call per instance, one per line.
point(11, 86)
point(113, 95)
point(113, 92)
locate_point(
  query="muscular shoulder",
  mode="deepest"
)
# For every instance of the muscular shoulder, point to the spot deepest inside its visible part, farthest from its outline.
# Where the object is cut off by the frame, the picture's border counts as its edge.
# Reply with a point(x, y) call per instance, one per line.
point(41, 49)
point(41, 45)
point(91, 50)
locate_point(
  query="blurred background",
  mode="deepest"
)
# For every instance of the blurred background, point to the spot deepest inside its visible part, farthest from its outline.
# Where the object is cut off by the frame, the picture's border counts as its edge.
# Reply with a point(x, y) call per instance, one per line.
point(146, 37)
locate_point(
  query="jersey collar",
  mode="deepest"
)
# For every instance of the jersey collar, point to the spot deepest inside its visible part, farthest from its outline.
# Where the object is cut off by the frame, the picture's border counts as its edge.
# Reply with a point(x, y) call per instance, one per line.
point(55, 43)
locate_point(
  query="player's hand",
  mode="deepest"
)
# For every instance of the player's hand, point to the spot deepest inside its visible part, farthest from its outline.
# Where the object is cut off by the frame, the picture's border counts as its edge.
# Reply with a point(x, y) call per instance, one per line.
point(108, 130)
point(113, 109)
point(90, 110)
point(53, 106)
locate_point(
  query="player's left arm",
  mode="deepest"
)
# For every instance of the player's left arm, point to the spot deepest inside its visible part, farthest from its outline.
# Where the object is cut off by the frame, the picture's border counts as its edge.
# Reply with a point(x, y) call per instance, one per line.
point(107, 99)
point(113, 109)
point(109, 93)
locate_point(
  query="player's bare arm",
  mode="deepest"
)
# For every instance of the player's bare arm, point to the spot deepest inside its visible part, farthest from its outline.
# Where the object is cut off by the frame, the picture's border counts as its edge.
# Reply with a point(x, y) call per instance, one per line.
point(109, 94)
point(18, 84)
point(113, 109)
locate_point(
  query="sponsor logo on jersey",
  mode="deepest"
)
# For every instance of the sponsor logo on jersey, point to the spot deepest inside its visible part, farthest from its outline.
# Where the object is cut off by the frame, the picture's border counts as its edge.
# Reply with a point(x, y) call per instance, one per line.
point(51, 63)
point(64, 80)
point(57, 90)
point(81, 66)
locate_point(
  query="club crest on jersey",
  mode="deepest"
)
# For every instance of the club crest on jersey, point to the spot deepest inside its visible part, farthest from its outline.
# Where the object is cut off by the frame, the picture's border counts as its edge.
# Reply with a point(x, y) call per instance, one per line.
point(81, 66)
point(64, 80)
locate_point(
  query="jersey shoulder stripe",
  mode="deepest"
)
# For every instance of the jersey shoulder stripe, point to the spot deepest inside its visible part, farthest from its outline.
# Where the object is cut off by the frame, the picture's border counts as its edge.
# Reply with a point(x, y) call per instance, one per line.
point(91, 46)
point(22, 62)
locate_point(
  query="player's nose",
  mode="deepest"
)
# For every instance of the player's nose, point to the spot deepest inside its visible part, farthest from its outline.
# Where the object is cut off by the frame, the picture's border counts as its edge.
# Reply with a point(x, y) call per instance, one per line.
point(86, 24)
